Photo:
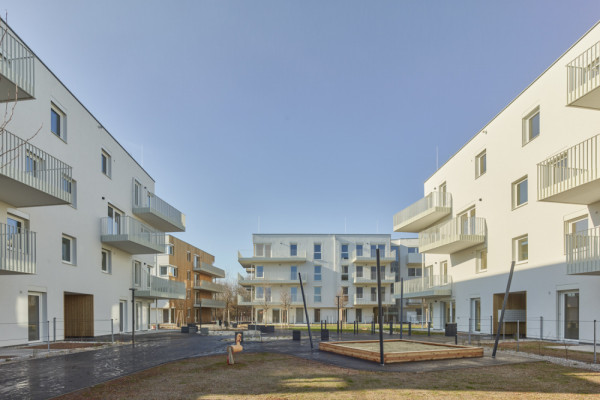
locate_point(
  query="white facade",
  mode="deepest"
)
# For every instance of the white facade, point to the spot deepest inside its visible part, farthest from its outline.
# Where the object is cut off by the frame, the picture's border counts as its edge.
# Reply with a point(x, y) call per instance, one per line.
point(82, 262)
point(517, 191)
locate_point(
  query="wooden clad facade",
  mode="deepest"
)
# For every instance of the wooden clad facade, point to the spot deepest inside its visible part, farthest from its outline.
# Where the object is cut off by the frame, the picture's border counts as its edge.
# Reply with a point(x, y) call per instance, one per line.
point(79, 315)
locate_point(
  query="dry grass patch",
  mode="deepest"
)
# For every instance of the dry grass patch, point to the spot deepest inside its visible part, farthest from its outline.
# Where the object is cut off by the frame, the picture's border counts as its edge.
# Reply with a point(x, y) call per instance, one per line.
point(278, 376)
point(544, 349)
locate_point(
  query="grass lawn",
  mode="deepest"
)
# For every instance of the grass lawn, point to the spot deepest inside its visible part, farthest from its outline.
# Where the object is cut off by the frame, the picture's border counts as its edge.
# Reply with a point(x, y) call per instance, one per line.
point(279, 376)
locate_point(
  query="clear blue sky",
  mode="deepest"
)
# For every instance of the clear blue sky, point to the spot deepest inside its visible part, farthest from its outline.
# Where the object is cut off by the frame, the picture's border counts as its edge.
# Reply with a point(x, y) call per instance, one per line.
point(303, 113)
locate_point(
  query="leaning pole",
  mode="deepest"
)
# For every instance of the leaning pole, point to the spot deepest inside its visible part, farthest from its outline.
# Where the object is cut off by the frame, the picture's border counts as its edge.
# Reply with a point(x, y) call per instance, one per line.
point(510, 275)
point(305, 310)
point(380, 310)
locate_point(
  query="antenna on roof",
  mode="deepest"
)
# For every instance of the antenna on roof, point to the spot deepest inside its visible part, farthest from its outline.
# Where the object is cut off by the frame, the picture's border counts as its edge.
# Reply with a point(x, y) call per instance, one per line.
point(345, 224)
point(437, 165)
point(258, 224)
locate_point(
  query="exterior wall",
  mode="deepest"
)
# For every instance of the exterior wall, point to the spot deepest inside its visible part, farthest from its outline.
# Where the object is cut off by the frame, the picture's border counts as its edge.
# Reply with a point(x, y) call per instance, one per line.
point(544, 275)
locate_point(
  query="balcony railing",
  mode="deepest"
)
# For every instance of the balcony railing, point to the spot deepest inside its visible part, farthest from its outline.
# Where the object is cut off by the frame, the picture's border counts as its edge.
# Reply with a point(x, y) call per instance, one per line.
point(132, 236)
point(368, 279)
point(369, 257)
point(150, 286)
point(158, 212)
point(253, 280)
point(31, 177)
point(423, 213)
point(209, 303)
point(583, 79)
point(370, 300)
point(209, 286)
point(17, 250)
point(414, 258)
point(17, 67)
point(248, 261)
point(452, 236)
point(427, 286)
point(208, 269)
point(583, 252)
point(572, 175)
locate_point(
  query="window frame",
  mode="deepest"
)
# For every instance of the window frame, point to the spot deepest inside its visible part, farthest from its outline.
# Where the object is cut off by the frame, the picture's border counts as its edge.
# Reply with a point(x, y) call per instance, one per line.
point(62, 121)
point(293, 249)
point(318, 294)
point(516, 247)
point(104, 154)
point(345, 254)
point(106, 267)
point(479, 170)
point(318, 276)
point(515, 192)
point(317, 255)
point(260, 268)
point(72, 250)
point(527, 126)
point(480, 264)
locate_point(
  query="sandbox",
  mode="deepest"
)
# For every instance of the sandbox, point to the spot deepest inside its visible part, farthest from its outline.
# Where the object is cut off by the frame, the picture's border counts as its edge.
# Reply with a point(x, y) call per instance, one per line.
point(399, 350)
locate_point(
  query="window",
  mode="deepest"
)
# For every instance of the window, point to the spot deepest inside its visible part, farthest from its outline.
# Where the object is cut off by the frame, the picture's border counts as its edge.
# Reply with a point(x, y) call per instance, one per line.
point(519, 191)
point(105, 163)
point(137, 194)
point(106, 261)
point(113, 223)
point(260, 293)
point(415, 272)
point(317, 252)
point(170, 249)
point(260, 273)
point(480, 164)
point(189, 294)
point(374, 248)
point(444, 272)
point(34, 165)
point(521, 249)
point(196, 260)
point(294, 273)
point(413, 250)
point(344, 252)
point(262, 250)
point(359, 292)
point(344, 272)
point(58, 122)
point(576, 234)
point(468, 224)
point(373, 273)
point(345, 294)
point(482, 260)
point(374, 294)
point(164, 270)
point(359, 271)
point(137, 273)
point(317, 294)
point(189, 275)
point(188, 256)
point(68, 249)
point(359, 250)
point(268, 294)
point(174, 272)
point(317, 272)
point(531, 126)
point(317, 314)
point(293, 250)
point(294, 294)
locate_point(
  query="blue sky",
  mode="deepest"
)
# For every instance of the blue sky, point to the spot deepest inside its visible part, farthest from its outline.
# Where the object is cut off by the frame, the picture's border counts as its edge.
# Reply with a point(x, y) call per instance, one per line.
point(314, 116)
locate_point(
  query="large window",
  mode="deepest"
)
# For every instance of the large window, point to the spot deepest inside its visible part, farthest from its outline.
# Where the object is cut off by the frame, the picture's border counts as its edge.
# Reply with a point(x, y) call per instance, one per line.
point(317, 294)
point(359, 292)
point(480, 164)
point(519, 191)
point(58, 122)
point(260, 273)
point(317, 251)
point(359, 271)
point(531, 126)
point(359, 250)
point(294, 273)
point(344, 272)
point(521, 248)
point(293, 250)
point(415, 271)
point(106, 261)
point(374, 248)
point(317, 276)
point(68, 249)
point(262, 250)
point(105, 163)
point(294, 294)
point(137, 273)
point(344, 252)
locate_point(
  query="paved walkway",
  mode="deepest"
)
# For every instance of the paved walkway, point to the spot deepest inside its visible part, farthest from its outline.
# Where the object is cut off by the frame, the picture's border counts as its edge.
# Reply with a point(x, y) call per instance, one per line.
point(43, 378)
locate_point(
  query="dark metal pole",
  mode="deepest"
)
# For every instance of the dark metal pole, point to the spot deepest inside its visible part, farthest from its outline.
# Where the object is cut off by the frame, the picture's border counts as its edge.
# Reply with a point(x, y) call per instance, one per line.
point(305, 310)
point(132, 316)
point(338, 315)
point(401, 304)
point(380, 309)
point(501, 322)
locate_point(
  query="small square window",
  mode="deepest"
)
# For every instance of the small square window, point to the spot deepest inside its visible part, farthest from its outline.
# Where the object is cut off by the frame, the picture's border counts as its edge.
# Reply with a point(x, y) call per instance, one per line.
point(164, 270)
point(480, 164)
point(531, 126)
point(106, 261)
point(317, 294)
point(482, 260)
point(170, 250)
point(293, 250)
point(105, 163)
point(68, 249)
point(519, 192)
point(521, 249)
point(344, 252)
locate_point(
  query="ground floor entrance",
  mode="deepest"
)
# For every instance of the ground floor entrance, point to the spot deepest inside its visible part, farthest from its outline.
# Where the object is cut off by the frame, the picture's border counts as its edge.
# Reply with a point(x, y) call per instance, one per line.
point(515, 315)
point(79, 315)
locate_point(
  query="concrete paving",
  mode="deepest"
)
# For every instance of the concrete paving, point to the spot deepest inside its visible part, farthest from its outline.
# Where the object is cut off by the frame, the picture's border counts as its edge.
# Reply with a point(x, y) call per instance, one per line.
point(43, 378)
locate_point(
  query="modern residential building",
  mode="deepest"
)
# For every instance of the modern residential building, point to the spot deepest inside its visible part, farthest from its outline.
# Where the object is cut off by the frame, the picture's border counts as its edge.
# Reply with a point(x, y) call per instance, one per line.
point(194, 268)
point(330, 265)
point(526, 188)
point(407, 267)
point(79, 221)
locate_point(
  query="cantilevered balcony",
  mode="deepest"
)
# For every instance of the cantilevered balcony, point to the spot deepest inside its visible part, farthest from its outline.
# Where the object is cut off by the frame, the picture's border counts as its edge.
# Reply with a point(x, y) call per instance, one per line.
point(371, 300)
point(17, 251)
point(571, 176)
point(29, 176)
point(208, 286)
point(157, 212)
point(425, 287)
point(370, 257)
point(583, 79)
point(209, 303)
point(132, 236)
point(247, 262)
point(423, 213)
point(208, 269)
point(414, 259)
point(251, 280)
point(150, 286)
point(452, 236)
point(583, 252)
point(17, 69)
point(369, 279)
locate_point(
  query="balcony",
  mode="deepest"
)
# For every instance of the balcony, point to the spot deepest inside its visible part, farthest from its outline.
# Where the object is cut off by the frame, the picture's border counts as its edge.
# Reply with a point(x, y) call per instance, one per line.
point(158, 212)
point(370, 280)
point(583, 252)
point(370, 258)
point(154, 287)
point(247, 262)
point(571, 176)
point(208, 269)
point(370, 300)
point(423, 213)
point(131, 236)
point(16, 69)
point(17, 251)
point(452, 236)
point(209, 303)
point(208, 286)
point(426, 287)
point(253, 281)
point(414, 259)
point(29, 176)
point(583, 79)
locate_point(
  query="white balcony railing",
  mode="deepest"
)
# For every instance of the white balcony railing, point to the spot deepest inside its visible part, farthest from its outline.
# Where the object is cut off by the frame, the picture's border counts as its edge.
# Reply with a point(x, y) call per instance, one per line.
point(17, 250)
point(16, 65)
point(34, 168)
point(209, 303)
point(414, 258)
point(427, 286)
point(151, 286)
point(209, 270)
point(452, 236)
point(561, 177)
point(369, 278)
point(583, 77)
point(423, 212)
point(583, 252)
point(371, 300)
point(158, 212)
point(132, 236)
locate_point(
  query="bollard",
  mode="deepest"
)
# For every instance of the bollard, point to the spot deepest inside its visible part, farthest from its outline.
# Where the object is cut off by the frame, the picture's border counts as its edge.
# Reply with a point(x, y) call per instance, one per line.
point(112, 332)
point(48, 336)
point(594, 341)
point(428, 328)
point(410, 328)
point(518, 335)
point(541, 328)
point(456, 338)
point(54, 328)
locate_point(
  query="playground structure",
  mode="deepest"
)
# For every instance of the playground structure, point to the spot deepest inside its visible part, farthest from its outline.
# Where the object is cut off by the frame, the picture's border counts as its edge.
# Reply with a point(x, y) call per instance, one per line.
point(235, 348)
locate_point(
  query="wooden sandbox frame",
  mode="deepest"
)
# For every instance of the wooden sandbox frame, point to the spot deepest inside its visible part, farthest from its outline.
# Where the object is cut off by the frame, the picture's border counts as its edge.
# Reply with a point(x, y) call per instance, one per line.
point(447, 351)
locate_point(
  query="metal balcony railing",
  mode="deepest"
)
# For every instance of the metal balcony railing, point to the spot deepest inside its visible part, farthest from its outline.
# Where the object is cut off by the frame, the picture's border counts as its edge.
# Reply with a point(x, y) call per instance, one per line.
point(583, 74)
point(130, 234)
point(371, 300)
point(209, 270)
point(422, 208)
point(570, 169)
point(454, 235)
point(583, 252)
point(200, 284)
point(155, 210)
point(369, 278)
point(31, 166)
point(17, 250)
point(148, 285)
point(209, 303)
point(425, 285)
point(16, 65)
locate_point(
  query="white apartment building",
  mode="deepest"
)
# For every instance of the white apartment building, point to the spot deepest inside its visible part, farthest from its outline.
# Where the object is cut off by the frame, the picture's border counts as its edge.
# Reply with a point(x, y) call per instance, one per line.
point(526, 188)
point(330, 265)
point(79, 221)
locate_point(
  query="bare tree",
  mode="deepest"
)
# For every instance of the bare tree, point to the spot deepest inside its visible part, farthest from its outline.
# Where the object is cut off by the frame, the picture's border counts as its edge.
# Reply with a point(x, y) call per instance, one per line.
point(266, 305)
point(229, 296)
point(286, 303)
point(343, 302)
